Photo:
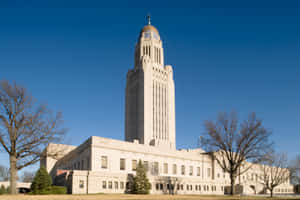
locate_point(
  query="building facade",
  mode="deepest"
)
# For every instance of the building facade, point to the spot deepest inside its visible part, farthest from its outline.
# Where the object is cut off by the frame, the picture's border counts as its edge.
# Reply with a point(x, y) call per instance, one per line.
point(102, 165)
point(150, 94)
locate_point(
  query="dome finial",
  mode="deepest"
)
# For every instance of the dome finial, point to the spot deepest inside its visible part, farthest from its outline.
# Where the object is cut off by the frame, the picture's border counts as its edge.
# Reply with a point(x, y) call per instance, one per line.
point(149, 19)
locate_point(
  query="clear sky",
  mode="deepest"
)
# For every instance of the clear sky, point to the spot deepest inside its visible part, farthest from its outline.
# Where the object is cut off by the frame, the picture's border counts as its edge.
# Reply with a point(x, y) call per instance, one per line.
point(227, 55)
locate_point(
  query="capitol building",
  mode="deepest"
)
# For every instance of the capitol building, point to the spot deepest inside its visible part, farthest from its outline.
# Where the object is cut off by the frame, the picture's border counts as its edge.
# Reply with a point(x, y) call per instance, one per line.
point(104, 165)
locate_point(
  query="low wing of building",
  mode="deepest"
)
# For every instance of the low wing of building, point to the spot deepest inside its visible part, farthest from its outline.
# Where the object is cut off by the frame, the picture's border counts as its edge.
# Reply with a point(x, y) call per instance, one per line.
point(102, 165)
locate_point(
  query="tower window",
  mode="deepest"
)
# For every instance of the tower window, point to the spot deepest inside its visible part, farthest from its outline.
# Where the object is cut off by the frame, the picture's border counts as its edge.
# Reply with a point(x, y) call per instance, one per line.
point(147, 34)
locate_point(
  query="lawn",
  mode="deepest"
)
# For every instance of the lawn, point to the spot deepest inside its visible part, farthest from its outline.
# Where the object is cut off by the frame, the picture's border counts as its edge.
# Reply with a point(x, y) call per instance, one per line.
point(132, 197)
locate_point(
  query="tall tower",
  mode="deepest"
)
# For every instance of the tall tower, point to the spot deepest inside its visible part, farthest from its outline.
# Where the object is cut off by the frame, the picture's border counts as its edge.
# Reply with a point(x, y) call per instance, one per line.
point(150, 94)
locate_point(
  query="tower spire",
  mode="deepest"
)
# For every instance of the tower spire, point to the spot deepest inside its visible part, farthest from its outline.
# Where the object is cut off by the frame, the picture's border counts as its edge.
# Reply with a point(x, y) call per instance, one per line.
point(149, 19)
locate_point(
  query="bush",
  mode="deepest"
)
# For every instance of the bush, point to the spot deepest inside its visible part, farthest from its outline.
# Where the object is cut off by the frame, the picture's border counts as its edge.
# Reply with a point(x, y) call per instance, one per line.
point(58, 190)
point(42, 182)
point(4, 190)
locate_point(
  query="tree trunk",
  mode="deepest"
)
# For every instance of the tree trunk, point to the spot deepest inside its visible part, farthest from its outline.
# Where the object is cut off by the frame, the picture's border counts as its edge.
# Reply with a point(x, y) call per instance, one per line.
point(271, 193)
point(232, 181)
point(13, 174)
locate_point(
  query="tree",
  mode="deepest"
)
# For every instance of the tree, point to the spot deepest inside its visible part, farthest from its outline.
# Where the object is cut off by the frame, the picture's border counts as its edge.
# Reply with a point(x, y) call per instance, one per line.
point(42, 182)
point(25, 129)
point(141, 183)
point(295, 170)
point(275, 171)
point(28, 177)
point(4, 173)
point(232, 143)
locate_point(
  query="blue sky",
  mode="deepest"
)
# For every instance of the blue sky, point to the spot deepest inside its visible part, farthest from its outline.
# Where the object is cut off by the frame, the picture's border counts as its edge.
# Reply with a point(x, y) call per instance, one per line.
point(227, 55)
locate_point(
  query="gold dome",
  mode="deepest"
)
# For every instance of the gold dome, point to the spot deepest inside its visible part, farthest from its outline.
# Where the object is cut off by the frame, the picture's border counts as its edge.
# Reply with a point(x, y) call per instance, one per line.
point(149, 28)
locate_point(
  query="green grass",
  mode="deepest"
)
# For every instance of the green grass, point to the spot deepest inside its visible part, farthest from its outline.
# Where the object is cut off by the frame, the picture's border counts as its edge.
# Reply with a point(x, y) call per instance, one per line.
point(137, 197)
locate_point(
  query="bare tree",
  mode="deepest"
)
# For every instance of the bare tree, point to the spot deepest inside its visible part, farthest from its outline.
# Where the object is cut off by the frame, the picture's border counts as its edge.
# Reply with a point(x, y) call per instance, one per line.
point(275, 171)
point(232, 143)
point(28, 176)
point(4, 173)
point(25, 129)
point(295, 170)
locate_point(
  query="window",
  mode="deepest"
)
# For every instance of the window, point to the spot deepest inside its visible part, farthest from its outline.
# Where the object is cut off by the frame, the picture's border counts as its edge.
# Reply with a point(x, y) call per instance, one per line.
point(134, 162)
point(104, 162)
point(198, 171)
point(81, 184)
point(109, 184)
point(165, 168)
point(146, 165)
point(155, 168)
point(116, 185)
point(82, 164)
point(155, 35)
point(88, 163)
point(218, 175)
point(122, 185)
point(161, 186)
point(208, 172)
point(104, 184)
point(181, 186)
point(147, 34)
point(174, 169)
point(157, 186)
point(182, 170)
point(122, 164)
point(191, 170)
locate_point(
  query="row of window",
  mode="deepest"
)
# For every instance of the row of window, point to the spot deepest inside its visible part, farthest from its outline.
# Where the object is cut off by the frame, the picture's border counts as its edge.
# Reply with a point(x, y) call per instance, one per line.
point(155, 167)
point(79, 165)
point(189, 187)
point(159, 112)
point(147, 50)
point(104, 165)
point(283, 190)
point(109, 185)
point(158, 186)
